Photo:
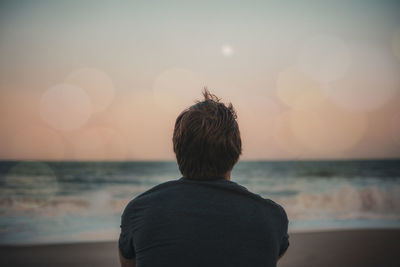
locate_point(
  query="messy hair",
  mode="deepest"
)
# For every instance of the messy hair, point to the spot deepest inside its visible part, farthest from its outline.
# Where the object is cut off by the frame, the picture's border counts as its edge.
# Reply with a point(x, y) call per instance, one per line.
point(206, 139)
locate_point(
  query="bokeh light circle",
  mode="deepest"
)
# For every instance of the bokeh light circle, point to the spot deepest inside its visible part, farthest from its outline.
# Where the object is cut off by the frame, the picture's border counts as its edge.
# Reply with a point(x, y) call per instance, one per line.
point(65, 107)
point(395, 128)
point(17, 108)
point(372, 81)
point(127, 111)
point(256, 114)
point(284, 137)
point(227, 50)
point(99, 143)
point(97, 84)
point(396, 44)
point(176, 89)
point(30, 183)
point(324, 58)
point(33, 142)
point(297, 90)
point(328, 129)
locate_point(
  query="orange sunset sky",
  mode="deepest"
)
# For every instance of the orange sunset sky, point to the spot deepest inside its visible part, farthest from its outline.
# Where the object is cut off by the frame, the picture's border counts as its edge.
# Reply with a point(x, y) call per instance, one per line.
point(97, 80)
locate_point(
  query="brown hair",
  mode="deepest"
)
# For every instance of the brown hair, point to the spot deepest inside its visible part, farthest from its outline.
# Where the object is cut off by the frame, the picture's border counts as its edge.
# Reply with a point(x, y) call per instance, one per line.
point(206, 139)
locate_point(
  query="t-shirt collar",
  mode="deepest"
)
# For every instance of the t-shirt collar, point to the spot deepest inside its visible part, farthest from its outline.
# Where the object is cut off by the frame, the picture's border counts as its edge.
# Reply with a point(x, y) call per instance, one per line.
point(207, 178)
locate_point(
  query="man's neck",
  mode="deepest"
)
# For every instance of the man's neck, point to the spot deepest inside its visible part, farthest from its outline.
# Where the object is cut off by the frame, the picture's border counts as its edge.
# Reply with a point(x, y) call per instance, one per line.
point(228, 176)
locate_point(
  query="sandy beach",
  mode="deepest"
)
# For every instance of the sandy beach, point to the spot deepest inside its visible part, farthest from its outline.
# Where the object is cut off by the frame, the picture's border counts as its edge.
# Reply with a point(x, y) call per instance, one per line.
point(331, 248)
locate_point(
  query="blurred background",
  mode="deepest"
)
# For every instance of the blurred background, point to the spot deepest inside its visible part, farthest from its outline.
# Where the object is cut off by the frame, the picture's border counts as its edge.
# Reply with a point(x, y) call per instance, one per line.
point(90, 90)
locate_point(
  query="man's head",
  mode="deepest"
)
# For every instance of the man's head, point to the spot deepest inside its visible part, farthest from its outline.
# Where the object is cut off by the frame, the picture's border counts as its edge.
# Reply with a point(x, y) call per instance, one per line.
point(206, 139)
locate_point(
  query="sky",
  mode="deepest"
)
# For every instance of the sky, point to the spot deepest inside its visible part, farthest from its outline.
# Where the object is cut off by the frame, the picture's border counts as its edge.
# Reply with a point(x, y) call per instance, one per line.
point(94, 80)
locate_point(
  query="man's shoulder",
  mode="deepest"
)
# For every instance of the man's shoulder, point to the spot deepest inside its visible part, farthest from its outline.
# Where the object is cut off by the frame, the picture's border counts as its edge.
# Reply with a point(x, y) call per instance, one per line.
point(226, 186)
point(148, 193)
point(156, 188)
point(266, 202)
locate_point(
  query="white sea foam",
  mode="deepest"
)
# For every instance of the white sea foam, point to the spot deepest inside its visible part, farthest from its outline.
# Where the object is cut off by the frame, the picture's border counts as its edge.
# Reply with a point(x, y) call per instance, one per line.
point(83, 202)
point(345, 202)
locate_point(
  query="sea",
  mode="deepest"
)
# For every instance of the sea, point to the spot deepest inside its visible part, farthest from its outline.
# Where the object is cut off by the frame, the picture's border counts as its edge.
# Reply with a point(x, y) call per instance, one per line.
point(61, 202)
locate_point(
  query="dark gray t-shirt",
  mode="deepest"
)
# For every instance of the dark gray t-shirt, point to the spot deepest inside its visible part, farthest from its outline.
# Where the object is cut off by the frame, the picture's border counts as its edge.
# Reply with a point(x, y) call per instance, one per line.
point(188, 222)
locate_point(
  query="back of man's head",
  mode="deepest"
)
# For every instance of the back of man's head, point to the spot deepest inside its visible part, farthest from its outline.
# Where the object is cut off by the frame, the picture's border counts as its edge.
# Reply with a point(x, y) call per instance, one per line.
point(206, 139)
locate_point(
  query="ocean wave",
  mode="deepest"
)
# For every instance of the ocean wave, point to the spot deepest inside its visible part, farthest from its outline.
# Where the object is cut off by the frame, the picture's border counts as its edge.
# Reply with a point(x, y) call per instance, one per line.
point(93, 204)
point(344, 202)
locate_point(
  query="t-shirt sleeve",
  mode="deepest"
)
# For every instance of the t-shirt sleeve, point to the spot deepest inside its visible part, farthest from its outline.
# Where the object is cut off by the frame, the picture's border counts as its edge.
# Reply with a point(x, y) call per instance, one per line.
point(285, 236)
point(125, 242)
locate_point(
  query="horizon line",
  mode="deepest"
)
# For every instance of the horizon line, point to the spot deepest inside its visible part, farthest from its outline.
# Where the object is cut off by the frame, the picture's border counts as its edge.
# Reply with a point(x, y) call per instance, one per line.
point(167, 160)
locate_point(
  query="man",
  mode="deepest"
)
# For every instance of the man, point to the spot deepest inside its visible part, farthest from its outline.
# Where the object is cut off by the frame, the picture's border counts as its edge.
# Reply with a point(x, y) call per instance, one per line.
point(203, 218)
